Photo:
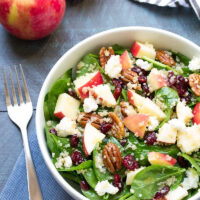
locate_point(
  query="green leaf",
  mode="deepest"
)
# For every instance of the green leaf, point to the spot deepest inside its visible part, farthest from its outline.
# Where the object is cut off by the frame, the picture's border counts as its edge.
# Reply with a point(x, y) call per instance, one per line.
point(124, 94)
point(85, 165)
point(146, 182)
point(90, 177)
point(132, 198)
point(71, 176)
point(119, 50)
point(91, 194)
point(184, 59)
point(122, 195)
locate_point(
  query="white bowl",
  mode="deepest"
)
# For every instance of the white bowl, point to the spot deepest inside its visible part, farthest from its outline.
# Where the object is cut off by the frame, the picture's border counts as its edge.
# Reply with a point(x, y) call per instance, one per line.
point(122, 36)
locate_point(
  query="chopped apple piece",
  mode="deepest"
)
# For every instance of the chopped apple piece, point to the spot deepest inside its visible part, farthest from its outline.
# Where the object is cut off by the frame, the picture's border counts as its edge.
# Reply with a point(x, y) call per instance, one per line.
point(131, 174)
point(84, 83)
point(104, 95)
point(66, 106)
point(91, 136)
point(137, 124)
point(156, 158)
point(196, 113)
point(125, 60)
point(156, 80)
point(139, 50)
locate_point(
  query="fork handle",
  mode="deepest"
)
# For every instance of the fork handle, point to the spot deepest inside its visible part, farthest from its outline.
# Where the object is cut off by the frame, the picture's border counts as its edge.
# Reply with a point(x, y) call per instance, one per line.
point(33, 184)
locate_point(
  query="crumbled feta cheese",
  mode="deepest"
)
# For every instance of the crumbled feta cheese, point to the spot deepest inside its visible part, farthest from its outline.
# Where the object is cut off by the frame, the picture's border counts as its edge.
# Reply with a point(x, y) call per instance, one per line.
point(178, 194)
point(99, 163)
point(49, 123)
point(113, 67)
point(66, 127)
point(132, 86)
point(184, 112)
point(64, 160)
point(131, 146)
point(144, 64)
point(103, 113)
point(152, 123)
point(167, 134)
point(90, 104)
point(131, 174)
point(192, 179)
point(132, 191)
point(194, 64)
point(104, 187)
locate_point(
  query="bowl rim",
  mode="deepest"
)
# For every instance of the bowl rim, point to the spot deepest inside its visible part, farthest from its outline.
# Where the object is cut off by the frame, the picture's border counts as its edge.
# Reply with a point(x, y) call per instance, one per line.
point(40, 130)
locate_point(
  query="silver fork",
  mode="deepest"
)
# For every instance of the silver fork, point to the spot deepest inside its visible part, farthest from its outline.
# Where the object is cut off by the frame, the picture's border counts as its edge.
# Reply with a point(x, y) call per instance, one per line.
point(21, 115)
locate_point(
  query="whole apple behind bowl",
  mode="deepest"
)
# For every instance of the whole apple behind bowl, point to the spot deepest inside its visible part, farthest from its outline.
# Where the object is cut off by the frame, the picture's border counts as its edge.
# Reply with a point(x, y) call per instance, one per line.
point(31, 19)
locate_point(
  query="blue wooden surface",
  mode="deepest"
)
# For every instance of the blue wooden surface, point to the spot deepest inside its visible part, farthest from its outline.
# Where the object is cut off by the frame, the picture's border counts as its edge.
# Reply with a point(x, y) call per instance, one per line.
point(80, 21)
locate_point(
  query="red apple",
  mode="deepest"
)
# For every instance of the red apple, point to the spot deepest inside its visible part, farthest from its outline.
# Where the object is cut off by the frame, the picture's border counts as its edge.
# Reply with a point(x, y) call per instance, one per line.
point(137, 124)
point(139, 50)
point(91, 136)
point(66, 106)
point(196, 113)
point(31, 19)
point(156, 158)
point(83, 83)
point(125, 60)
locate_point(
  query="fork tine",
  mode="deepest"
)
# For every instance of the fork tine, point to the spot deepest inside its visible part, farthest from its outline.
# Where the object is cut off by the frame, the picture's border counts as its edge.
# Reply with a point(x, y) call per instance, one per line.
point(8, 102)
point(28, 99)
point(18, 87)
point(13, 89)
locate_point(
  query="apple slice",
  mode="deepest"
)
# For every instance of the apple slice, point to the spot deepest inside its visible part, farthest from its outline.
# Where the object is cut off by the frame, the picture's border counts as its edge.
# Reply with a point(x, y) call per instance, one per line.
point(125, 60)
point(196, 113)
point(66, 106)
point(139, 50)
point(156, 79)
point(156, 158)
point(137, 124)
point(104, 95)
point(83, 83)
point(91, 136)
point(145, 105)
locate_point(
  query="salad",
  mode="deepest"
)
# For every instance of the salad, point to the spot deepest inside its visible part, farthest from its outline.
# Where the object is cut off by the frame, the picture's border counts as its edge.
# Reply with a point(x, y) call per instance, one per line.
point(125, 124)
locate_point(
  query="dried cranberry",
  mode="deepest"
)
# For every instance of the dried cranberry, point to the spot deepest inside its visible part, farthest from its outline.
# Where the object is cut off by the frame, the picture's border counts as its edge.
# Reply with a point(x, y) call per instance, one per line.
point(77, 158)
point(150, 138)
point(73, 94)
point(181, 91)
point(160, 194)
point(105, 127)
point(182, 162)
point(186, 97)
point(139, 71)
point(145, 88)
point(123, 142)
point(117, 82)
point(118, 182)
point(74, 140)
point(130, 163)
point(171, 79)
point(117, 92)
point(151, 95)
point(84, 185)
point(142, 79)
point(53, 131)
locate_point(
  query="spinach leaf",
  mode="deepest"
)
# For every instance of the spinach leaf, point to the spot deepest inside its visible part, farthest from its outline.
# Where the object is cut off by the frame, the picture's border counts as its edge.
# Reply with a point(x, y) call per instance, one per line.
point(124, 194)
point(85, 165)
point(132, 198)
point(184, 59)
point(124, 95)
point(119, 50)
point(179, 179)
point(90, 177)
point(169, 97)
point(142, 149)
point(91, 194)
point(146, 182)
point(71, 176)
point(59, 87)
point(191, 161)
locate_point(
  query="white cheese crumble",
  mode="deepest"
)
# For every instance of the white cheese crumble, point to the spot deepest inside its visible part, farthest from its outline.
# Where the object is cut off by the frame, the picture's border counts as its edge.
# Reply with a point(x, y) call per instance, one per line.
point(66, 127)
point(104, 187)
point(192, 179)
point(99, 163)
point(194, 64)
point(144, 64)
point(178, 194)
point(49, 123)
point(90, 104)
point(64, 160)
point(152, 123)
point(113, 67)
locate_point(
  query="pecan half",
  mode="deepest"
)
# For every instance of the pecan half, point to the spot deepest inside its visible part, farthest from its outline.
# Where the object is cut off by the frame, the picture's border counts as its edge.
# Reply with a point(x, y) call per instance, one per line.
point(94, 119)
point(126, 109)
point(194, 82)
point(105, 54)
point(112, 158)
point(131, 77)
point(118, 129)
point(165, 58)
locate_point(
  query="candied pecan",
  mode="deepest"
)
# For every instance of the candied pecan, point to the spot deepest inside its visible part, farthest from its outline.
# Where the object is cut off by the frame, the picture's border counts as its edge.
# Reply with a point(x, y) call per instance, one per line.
point(194, 82)
point(94, 119)
point(105, 54)
point(118, 129)
point(131, 77)
point(165, 58)
point(112, 158)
